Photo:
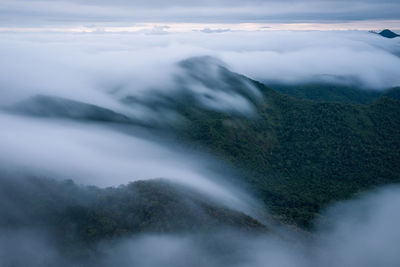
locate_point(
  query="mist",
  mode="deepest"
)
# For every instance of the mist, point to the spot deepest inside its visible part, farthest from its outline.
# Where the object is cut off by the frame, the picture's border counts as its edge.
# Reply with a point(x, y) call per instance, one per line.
point(109, 69)
point(85, 66)
point(359, 232)
point(110, 102)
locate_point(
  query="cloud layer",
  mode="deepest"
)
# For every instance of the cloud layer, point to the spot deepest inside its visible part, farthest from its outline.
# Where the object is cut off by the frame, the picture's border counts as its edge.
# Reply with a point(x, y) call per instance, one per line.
point(82, 65)
point(361, 232)
point(102, 69)
point(70, 12)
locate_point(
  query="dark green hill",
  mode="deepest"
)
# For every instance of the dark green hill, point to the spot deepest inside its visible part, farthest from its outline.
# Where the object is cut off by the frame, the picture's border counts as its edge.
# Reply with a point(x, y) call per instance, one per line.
point(393, 93)
point(329, 92)
point(77, 218)
point(58, 107)
point(302, 155)
point(297, 155)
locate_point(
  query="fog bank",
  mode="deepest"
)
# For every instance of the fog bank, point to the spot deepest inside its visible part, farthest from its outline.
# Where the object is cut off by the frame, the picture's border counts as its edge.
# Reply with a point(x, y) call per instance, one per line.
point(86, 66)
point(361, 232)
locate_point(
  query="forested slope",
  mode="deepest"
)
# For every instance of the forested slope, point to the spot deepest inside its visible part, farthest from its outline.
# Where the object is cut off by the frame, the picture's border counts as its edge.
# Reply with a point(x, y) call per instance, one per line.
point(78, 219)
point(301, 155)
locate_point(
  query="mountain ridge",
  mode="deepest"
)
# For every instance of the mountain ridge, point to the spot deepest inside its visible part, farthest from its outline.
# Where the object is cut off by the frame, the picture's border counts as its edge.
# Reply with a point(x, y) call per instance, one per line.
point(297, 155)
point(388, 34)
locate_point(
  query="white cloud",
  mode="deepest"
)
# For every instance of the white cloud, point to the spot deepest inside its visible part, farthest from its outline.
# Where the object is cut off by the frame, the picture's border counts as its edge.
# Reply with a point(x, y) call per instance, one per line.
point(364, 232)
point(100, 68)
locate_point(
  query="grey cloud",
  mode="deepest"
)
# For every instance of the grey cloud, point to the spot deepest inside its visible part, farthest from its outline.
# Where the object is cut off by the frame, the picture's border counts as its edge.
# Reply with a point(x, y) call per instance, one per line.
point(361, 232)
point(95, 154)
point(87, 67)
point(28, 13)
point(295, 57)
point(208, 30)
point(90, 67)
point(101, 69)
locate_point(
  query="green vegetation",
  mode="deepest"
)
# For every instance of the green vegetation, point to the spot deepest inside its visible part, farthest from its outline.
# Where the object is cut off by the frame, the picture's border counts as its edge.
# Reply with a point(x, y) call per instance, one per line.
point(79, 218)
point(393, 93)
point(306, 147)
point(50, 106)
point(301, 155)
point(329, 92)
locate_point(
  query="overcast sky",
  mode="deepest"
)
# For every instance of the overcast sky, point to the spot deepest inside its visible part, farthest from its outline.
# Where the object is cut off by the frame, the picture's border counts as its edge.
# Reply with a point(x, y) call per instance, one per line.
point(121, 13)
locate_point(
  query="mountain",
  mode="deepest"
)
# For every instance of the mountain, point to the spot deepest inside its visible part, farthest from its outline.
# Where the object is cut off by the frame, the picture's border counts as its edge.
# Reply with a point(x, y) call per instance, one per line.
point(328, 92)
point(206, 84)
point(393, 93)
point(388, 34)
point(334, 92)
point(298, 152)
point(80, 218)
point(58, 107)
point(299, 155)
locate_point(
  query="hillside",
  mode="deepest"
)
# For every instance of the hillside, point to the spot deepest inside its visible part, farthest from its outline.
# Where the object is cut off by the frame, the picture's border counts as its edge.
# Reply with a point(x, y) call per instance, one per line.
point(58, 107)
point(302, 155)
point(79, 218)
point(388, 34)
point(329, 92)
point(297, 154)
point(393, 93)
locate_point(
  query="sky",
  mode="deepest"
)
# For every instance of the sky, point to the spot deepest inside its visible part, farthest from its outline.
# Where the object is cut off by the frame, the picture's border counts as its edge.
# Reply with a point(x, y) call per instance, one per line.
point(189, 15)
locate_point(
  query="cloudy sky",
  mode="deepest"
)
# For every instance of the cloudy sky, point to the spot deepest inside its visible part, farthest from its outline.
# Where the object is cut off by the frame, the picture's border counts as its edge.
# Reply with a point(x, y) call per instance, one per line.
point(183, 15)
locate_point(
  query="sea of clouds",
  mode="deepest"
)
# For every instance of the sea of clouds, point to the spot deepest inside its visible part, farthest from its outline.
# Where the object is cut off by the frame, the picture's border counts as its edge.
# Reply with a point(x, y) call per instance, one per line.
point(103, 68)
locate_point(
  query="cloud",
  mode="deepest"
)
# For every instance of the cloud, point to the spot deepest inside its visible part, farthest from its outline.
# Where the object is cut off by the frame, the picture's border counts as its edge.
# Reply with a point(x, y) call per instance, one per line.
point(102, 69)
point(70, 12)
point(208, 30)
point(32, 247)
point(84, 66)
point(361, 232)
point(296, 57)
point(95, 154)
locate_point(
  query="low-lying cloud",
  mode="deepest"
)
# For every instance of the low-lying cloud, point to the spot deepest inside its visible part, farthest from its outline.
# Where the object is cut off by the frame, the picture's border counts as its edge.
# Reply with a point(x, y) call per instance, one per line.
point(84, 66)
point(108, 155)
point(103, 69)
point(361, 232)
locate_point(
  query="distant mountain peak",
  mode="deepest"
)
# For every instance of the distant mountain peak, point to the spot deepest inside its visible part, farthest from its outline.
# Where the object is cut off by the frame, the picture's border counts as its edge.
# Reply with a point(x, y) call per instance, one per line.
point(388, 34)
point(201, 61)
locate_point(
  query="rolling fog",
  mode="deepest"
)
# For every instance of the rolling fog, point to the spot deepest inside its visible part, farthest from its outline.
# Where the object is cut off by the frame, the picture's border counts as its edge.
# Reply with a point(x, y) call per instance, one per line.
point(104, 68)
point(361, 232)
